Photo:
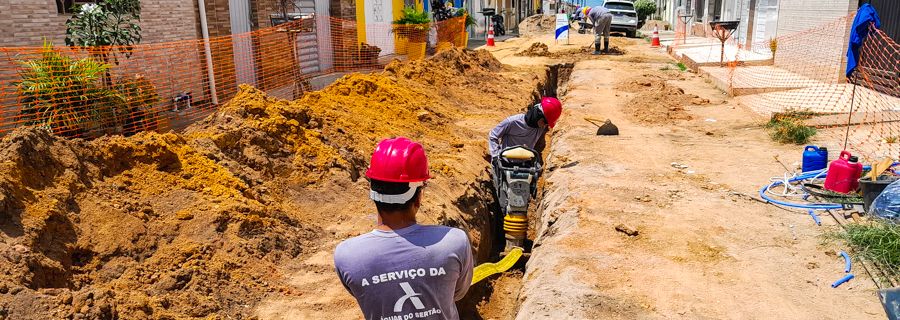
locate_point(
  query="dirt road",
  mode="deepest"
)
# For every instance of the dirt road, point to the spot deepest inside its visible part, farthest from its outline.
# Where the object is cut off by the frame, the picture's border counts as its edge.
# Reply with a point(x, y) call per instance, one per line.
point(701, 251)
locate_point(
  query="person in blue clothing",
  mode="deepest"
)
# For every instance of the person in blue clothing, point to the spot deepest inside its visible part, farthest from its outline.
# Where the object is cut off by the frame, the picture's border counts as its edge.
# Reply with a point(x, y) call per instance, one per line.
point(602, 20)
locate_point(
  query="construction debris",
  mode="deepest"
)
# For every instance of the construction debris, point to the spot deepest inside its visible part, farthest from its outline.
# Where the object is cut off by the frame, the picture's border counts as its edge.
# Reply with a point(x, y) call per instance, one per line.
point(627, 230)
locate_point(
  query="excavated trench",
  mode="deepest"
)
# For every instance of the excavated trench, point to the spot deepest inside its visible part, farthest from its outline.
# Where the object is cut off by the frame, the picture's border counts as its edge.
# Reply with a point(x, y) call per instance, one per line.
point(498, 296)
point(194, 223)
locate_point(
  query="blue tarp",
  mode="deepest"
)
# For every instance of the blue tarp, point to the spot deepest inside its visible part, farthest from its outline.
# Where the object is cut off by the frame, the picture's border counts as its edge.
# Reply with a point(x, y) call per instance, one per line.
point(858, 32)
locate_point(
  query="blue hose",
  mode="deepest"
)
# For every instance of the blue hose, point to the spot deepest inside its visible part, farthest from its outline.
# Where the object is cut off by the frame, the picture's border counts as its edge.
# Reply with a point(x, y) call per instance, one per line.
point(802, 176)
point(842, 280)
point(815, 217)
point(846, 261)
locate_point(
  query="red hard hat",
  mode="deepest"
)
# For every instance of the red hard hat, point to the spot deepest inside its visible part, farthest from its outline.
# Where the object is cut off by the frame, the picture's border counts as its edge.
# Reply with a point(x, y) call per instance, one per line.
point(552, 108)
point(398, 160)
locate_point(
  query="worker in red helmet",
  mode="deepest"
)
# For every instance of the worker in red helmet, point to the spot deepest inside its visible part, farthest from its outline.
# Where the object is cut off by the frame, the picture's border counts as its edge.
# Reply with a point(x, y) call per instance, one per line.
point(403, 268)
point(528, 129)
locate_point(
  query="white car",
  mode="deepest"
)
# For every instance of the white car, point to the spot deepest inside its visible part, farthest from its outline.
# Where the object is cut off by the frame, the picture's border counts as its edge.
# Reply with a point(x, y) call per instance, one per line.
point(624, 16)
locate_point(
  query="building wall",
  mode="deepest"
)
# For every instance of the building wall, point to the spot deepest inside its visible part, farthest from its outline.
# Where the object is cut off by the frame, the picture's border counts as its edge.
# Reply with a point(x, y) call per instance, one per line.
point(25, 23)
point(168, 20)
point(801, 15)
point(171, 69)
point(812, 37)
point(889, 12)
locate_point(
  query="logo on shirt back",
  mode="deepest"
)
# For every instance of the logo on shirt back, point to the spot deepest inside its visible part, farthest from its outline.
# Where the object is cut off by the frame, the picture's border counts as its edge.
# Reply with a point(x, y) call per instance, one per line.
point(410, 295)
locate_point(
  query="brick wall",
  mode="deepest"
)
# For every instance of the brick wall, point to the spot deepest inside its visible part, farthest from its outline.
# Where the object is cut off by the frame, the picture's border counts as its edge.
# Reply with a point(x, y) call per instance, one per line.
point(24, 23)
point(169, 20)
point(171, 69)
point(27, 22)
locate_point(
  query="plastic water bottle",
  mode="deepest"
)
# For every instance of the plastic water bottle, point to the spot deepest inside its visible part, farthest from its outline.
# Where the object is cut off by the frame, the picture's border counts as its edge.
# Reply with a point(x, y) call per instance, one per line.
point(814, 158)
point(843, 174)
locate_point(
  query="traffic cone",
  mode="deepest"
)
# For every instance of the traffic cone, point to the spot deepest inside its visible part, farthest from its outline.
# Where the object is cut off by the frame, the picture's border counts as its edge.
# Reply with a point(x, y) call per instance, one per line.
point(654, 41)
point(490, 38)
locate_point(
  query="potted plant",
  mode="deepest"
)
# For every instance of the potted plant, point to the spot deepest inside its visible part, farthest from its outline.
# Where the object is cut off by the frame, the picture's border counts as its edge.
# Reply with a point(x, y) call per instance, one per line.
point(463, 41)
point(411, 31)
point(773, 46)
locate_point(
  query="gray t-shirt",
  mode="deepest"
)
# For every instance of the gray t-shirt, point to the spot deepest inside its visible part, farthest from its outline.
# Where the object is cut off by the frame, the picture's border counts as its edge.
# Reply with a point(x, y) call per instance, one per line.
point(417, 272)
point(596, 12)
point(514, 131)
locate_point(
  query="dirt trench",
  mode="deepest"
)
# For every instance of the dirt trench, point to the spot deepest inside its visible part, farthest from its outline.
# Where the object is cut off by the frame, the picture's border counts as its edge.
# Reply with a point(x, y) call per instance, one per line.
point(237, 216)
point(498, 296)
point(646, 225)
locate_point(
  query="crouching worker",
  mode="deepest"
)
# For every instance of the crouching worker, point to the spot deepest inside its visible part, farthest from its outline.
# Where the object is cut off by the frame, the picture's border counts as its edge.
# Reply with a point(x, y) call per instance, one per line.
point(402, 267)
point(528, 129)
point(515, 146)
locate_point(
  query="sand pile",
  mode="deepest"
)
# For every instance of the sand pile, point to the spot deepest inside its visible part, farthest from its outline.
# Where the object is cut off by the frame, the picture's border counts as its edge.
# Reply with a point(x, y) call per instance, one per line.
point(537, 49)
point(657, 102)
point(129, 227)
point(537, 24)
point(650, 24)
point(197, 224)
point(440, 69)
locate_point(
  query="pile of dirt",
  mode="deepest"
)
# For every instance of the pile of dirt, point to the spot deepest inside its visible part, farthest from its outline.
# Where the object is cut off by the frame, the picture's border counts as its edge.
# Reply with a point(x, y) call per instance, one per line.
point(661, 25)
point(483, 72)
point(440, 69)
point(537, 25)
point(197, 224)
point(576, 54)
point(657, 102)
point(131, 227)
point(537, 49)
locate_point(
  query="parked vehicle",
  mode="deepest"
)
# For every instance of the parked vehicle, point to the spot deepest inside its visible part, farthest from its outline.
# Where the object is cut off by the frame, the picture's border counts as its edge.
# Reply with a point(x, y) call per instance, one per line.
point(625, 18)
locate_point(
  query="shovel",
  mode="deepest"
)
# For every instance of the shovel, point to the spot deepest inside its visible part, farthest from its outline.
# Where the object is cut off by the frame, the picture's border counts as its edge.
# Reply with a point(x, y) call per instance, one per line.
point(607, 128)
point(485, 270)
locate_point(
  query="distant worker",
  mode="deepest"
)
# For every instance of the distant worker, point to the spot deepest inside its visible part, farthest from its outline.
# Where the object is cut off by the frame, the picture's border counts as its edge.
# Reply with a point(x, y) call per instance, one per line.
point(528, 129)
point(602, 20)
point(401, 267)
point(580, 17)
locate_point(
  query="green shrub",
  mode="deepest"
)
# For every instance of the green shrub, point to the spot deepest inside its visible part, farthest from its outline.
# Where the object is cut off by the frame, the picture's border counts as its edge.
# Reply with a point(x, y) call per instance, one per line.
point(139, 97)
point(411, 16)
point(876, 240)
point(62, 94)
point(644, 8)
point(469, 20)
point(788, 127)
point(67, 97)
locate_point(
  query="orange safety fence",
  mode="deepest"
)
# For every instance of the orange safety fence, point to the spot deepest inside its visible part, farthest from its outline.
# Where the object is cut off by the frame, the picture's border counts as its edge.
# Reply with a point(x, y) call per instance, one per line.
point(802, 74)
point(84, 92)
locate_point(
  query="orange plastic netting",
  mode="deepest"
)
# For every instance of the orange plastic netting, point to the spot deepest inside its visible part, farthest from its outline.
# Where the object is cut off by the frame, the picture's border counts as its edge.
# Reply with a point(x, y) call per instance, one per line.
point(78, 91)
point(803, 74)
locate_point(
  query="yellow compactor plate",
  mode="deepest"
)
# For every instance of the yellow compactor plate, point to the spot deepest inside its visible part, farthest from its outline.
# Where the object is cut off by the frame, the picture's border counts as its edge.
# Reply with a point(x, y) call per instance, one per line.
point(487, 269)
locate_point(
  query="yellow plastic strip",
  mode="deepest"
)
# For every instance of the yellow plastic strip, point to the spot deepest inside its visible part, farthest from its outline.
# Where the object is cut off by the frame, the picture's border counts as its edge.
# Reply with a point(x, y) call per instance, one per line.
point(360, 21)
point(487, 269)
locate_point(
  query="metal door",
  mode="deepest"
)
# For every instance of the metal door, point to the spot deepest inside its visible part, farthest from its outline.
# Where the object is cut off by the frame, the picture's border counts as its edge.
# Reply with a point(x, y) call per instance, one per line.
point(244, 66)
point(307, 41)
point(766, 22)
